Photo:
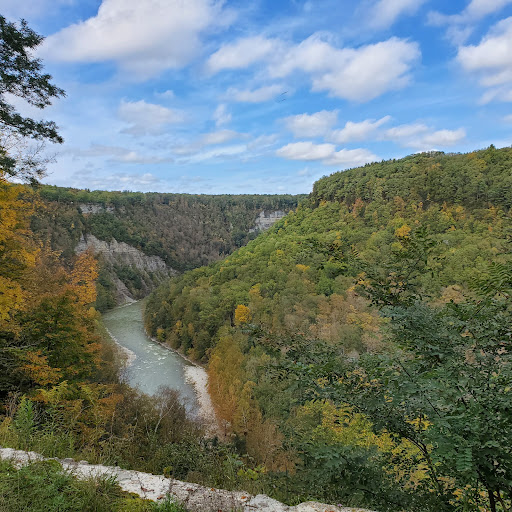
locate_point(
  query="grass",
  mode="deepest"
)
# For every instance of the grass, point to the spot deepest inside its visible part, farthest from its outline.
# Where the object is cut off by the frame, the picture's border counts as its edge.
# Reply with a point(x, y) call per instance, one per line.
point(46, 487)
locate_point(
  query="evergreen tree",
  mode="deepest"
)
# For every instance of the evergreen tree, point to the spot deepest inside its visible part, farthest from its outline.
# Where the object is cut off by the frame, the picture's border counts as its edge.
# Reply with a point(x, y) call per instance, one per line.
point(22, 75)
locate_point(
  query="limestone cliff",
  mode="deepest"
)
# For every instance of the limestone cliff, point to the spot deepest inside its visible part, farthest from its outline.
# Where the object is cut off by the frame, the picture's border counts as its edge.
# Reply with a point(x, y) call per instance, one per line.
point(120, 259)
point(266, 219)
point(88, 208)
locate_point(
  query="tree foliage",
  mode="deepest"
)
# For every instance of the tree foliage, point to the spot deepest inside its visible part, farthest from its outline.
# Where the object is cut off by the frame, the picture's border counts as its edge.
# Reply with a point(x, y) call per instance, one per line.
point(22, 75)
point(378, 335)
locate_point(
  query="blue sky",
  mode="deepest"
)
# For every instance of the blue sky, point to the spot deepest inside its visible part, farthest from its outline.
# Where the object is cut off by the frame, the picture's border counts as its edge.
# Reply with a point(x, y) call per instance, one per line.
point(265, 96)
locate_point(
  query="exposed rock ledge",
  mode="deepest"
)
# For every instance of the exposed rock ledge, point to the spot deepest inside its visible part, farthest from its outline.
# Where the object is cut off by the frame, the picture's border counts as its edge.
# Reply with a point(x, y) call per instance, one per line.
point(152, 270)
point(120, 252)
point(155, 487)
point(266, 219)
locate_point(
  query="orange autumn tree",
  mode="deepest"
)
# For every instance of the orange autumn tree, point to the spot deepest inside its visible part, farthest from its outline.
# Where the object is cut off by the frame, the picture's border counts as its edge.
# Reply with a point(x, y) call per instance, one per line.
point(83, 277)
point(18, 255)
point(46, 325)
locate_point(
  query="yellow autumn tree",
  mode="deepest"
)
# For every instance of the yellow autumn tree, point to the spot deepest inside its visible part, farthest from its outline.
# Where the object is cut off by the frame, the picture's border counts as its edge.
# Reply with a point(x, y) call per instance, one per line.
point(226, 377)
point(17, 252)
point(242, 315)
point(403, 231)
point(83, 277)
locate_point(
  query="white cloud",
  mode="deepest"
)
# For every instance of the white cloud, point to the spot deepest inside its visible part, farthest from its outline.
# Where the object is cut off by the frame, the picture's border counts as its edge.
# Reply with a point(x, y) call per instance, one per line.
point(370, 71)
point(404, 131)
point(474, 11)
point(147, 118)
point(458, 35)
point(242, 53)
point(125, 181)
point(96, 179)
point(218, 152)
point(219, 137)
point(497, 94)
point(385, 12)
point(351, 157)
point(491, 60)
point(144, 37)
point(312, 125)
point(493, 52)
point(357, 131)
point(307, 151)
point(442, 138)
point(143, 179)
point(311, 55)
point(15, 10)
point(221, 115)
point(255, 96)
point(117, 154)
point(132, 157)
point(207, 139)
point(262, 142)
point(419, 136)
point(460, 26)
point(166, 95)
point(201, 150)
point(479, 8)
point(357, 74)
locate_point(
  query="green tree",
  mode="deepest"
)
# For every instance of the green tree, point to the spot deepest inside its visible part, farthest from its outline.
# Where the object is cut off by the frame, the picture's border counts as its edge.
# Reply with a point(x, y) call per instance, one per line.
point(447, 385)
point(22, 75)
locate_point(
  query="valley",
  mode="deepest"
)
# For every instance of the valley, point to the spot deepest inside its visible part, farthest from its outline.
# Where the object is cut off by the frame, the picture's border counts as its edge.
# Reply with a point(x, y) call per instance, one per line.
point(389, 284)
point(337, 340)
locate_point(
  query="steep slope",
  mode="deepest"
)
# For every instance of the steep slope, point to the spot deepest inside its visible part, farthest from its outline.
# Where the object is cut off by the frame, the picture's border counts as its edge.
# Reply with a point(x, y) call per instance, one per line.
point(291, 276)
point(185, 231)
point(291, 301)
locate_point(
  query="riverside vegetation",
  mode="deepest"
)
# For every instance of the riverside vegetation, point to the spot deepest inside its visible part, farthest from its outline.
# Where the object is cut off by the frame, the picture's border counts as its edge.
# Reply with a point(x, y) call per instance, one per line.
point(60, 391)
point(358, 352)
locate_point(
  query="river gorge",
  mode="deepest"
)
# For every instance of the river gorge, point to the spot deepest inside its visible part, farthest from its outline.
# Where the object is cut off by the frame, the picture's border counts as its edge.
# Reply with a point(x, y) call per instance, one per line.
point(150, 365)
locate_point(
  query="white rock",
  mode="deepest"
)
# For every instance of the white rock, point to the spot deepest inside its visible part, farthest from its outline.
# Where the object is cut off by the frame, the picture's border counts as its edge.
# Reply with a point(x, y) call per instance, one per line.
point(196, 498)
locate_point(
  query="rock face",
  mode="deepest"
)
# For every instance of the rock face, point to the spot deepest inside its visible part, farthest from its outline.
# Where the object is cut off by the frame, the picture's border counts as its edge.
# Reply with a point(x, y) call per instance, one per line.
point(151, 270)
point(120, 252)
point(196, 498)
point(87, 208)
point(266, 219)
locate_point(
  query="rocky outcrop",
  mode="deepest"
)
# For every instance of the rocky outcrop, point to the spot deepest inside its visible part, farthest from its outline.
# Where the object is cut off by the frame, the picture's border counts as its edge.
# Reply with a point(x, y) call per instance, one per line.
point(266, 219)
point(88, 208)
point(120, 252)
point(151, 270)
point(196, 498)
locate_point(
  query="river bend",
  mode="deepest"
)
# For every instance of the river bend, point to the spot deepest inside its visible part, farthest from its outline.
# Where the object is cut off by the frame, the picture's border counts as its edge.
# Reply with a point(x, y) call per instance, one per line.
point(149, 364)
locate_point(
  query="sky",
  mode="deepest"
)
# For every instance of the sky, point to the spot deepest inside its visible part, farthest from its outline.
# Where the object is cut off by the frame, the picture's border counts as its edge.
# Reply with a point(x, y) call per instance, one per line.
point(265, 96)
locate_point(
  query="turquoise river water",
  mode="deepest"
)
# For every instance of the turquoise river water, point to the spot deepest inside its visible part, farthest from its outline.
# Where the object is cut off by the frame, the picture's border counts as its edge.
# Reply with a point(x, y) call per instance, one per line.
point(149, 364)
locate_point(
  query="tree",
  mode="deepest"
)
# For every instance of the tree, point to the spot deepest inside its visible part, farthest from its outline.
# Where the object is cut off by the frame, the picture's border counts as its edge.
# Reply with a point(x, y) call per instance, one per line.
point(447, 386)
point(22, 75)
point(17, 252)
point(242, 314)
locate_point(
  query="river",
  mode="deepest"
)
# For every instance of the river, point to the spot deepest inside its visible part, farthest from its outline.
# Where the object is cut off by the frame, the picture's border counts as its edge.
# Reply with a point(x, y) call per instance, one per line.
point(150, 365)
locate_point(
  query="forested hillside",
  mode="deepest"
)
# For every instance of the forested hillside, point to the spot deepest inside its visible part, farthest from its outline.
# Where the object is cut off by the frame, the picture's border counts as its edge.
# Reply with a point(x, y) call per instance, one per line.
point(60, 387)
point(185, 230)
point(359, 349)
